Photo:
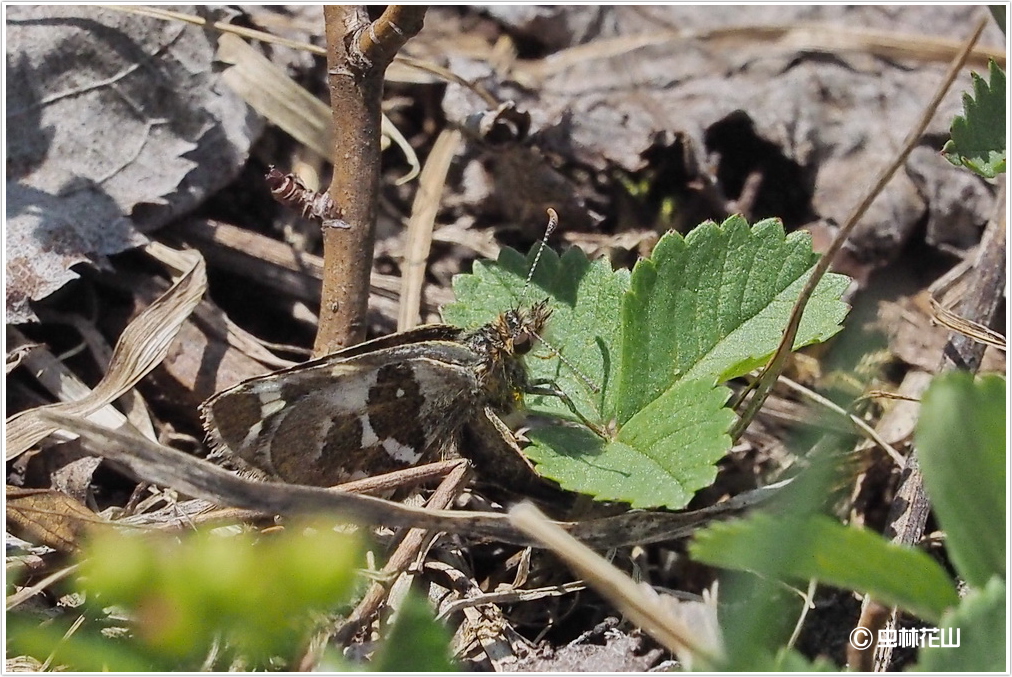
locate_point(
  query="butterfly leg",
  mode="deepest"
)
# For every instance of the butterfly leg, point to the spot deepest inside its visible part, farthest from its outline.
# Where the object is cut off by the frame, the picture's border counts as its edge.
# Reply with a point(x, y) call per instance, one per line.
point(550, 388)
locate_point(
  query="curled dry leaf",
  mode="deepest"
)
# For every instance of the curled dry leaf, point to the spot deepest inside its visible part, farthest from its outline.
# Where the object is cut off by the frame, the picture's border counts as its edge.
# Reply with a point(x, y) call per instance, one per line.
point(142, 346)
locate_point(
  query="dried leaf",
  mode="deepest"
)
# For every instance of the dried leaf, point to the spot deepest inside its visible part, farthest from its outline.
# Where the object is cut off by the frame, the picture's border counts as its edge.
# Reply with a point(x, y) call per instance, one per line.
point(115, 126)
point(49, 517)
point(808, 107)
point(143, 344)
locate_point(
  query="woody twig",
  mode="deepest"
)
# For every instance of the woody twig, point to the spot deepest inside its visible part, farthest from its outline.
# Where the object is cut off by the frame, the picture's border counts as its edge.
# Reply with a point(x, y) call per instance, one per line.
point(358, 53)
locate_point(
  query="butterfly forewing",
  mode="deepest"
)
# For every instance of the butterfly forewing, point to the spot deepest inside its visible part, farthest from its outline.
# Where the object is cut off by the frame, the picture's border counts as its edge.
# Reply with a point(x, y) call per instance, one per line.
point(342, 417)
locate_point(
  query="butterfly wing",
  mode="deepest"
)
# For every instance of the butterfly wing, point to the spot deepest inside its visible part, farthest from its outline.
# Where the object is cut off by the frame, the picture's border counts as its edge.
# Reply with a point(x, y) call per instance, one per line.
point(351, 414)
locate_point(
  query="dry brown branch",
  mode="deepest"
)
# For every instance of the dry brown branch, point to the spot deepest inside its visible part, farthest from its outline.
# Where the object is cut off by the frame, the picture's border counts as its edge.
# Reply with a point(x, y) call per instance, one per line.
point(387, 34)
point(404, 555)
point(356, 92)
point(187, 474)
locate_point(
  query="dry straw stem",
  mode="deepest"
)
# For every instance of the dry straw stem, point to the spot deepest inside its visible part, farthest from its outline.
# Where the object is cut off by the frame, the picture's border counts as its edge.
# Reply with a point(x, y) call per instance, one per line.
point(420, 226)
point(769, 375)
point(805, 36)
point(280, 267)
point(142, 346)
point(24, 594)
point(644, 610)
point(958, 323)
point(511, 597)
point(186, 474)
point(856, 421)
point(436, 70)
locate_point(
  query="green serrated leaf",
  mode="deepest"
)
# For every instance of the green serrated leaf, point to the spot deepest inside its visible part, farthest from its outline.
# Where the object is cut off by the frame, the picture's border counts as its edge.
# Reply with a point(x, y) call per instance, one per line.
point(714, 305)
point(961, 447)
point(982, 634)
point(846, 557)
point(701, 309)
point(978, 136)
point(637, 466)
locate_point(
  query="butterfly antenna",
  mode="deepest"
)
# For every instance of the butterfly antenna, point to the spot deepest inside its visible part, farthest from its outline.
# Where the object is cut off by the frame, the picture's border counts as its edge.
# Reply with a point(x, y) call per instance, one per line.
point(553, 222)
point(572, 367)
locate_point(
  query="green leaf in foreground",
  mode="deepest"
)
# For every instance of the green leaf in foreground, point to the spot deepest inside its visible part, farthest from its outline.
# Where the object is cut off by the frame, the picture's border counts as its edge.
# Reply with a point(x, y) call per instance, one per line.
point(85, 650)
point(700, 310)
point(845, 557)
point(416, 628)
point(257, 597)
point(978, 136)
point(961, 447)
point(981, 622)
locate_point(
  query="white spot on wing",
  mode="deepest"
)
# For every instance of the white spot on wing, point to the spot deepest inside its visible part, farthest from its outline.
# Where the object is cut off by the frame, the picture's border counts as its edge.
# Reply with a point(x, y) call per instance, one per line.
point(369, 437)
point(272, 406)
point(400, 392)
point(401, 452)
point(252, 435)
point(268, 393)
point(351, 396)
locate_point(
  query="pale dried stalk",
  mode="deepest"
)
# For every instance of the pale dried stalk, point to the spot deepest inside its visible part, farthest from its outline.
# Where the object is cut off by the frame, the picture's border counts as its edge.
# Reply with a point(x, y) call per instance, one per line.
point(420, 226)
point(958, 323)
point(774, 367)
point(646, 611)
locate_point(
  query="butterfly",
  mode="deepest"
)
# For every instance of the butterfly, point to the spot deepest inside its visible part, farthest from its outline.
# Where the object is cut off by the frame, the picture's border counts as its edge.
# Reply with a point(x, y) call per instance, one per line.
point(412, 397)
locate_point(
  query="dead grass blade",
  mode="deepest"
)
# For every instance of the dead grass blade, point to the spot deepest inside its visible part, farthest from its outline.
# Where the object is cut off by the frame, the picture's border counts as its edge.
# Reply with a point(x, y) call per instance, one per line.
point(142, 346)
point(420, 226)
point(274, 95)
point(24, 594)
point(63, 384)
point(958, 323)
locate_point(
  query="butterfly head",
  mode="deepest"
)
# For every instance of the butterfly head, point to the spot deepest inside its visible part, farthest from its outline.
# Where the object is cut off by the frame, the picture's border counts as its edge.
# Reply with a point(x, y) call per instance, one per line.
point(517, 330)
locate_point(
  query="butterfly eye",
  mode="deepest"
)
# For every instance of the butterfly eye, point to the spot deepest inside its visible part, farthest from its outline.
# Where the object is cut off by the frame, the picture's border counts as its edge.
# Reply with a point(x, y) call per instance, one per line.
point(522, 343)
